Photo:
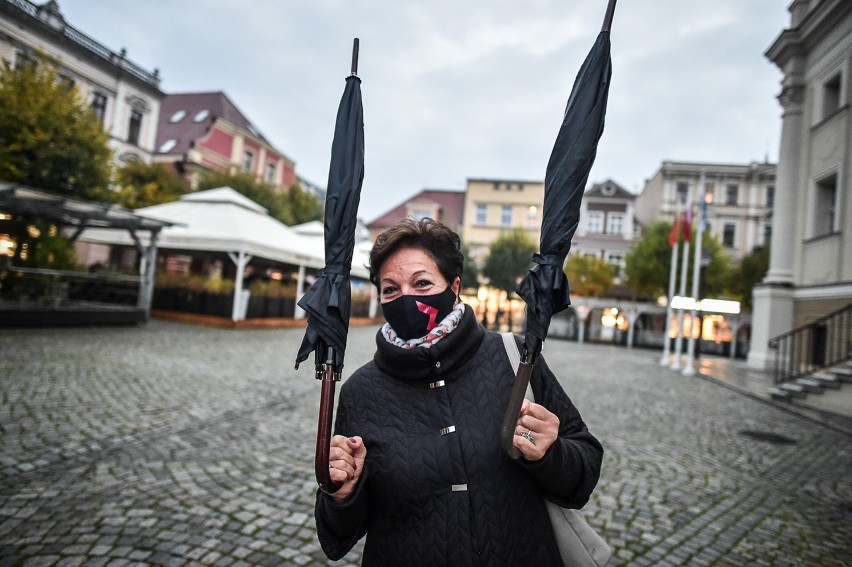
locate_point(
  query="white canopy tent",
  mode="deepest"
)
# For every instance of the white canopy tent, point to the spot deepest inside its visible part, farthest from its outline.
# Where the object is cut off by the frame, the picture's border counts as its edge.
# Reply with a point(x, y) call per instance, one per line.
point(223, 220)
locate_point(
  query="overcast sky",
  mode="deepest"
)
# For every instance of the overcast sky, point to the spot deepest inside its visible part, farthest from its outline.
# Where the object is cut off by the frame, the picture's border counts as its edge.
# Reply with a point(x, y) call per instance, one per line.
point(455, 90)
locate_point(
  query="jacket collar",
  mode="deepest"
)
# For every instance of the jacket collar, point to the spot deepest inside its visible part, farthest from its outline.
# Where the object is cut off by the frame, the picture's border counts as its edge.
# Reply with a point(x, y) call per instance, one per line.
point(420, 363)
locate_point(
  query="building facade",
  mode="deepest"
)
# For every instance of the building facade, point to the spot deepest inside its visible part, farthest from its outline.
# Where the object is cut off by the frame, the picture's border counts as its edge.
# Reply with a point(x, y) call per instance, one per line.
point(607, 224)
point(810, 269)
point(494, 206)
point(122, 94)
point(739, 200)
point(207, 132)
point(443, 205)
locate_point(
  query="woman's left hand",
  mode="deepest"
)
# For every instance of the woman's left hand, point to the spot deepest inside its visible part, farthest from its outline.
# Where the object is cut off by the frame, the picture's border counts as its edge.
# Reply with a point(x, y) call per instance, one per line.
point(536, 431)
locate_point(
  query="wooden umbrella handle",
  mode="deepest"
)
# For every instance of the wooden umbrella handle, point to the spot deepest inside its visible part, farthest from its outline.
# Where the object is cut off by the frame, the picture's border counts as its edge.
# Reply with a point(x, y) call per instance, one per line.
point(516, 400)
point(324, 433)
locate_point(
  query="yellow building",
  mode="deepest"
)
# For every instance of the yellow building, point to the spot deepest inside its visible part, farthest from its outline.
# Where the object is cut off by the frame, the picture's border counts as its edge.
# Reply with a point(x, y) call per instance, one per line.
point(494, 206)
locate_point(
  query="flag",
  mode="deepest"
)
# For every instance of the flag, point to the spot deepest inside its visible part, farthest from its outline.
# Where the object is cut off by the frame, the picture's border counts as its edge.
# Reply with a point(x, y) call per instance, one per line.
point(687, 223)
point(674, 234)
point(702, 222)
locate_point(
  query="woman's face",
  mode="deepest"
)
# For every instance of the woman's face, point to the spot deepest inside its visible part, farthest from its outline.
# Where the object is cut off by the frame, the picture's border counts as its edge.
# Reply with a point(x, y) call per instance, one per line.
point(411, 271)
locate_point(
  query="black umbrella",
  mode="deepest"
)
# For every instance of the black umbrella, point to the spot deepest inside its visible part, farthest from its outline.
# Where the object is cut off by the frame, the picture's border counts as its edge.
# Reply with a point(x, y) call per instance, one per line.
point(329, 300)
point(545, 288)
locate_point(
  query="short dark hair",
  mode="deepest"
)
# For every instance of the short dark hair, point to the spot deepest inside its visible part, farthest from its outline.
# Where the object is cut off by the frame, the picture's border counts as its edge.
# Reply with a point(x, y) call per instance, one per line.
point(441, 243)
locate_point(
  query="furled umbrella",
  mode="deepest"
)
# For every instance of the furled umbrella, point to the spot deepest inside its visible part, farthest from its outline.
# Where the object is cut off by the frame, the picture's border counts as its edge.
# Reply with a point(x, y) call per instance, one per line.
point(545, 288)
point(329, 300)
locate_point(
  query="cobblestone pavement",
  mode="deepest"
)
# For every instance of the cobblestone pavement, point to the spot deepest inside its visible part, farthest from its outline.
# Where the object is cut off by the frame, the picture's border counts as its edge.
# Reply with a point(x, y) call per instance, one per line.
point(170, 444)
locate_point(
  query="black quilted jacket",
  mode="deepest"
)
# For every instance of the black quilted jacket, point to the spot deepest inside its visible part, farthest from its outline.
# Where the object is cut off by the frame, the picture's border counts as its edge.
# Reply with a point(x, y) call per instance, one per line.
point(437, 488)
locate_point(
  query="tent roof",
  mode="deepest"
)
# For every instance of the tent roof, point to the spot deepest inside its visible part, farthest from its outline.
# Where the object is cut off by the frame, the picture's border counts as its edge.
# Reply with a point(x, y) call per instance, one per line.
point(223, 220)
point(71, 211)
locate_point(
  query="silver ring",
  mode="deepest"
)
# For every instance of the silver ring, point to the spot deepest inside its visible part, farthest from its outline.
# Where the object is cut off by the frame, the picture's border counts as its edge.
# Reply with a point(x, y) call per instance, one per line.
point(529, 436)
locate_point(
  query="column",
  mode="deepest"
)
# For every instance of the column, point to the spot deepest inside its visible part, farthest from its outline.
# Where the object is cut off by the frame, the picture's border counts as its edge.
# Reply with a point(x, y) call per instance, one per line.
point(773, 299)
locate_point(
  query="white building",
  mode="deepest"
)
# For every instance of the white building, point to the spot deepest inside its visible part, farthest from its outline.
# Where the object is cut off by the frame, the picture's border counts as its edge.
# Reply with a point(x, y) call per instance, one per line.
point(810, 270)
point(739, 200)
point(125, 96)
point(607, 224)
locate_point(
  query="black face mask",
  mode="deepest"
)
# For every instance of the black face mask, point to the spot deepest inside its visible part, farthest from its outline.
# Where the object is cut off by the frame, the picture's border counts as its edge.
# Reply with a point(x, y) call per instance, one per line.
point(413, 316)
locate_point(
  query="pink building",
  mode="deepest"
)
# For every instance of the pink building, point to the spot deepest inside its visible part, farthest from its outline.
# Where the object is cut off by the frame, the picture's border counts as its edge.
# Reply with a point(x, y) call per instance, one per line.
point(443, 205)
point(206, 131)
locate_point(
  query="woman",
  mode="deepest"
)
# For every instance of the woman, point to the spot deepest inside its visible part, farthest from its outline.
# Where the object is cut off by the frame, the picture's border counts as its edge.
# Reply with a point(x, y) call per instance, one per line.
point(418, 429)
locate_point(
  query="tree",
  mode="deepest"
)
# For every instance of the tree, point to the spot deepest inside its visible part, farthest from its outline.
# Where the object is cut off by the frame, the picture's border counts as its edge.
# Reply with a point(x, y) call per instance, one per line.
point(509, 258)
point(49, 139)
point(293, 206)
point(648, 260)
point(142, 185)
point(301, 206)
point(470, 277)
point(749, 272)
point(589, 276)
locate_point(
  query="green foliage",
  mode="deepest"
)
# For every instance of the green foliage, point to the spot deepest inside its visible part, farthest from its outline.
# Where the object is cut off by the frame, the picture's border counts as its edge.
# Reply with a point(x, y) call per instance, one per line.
point(142, 185)
point(589, 276)
point(272, 288)
point(292, 206)
point(55, 253)
point(49, 139)
point(509, 259)
point(470, 277)
point(646, 264)
point(648, 261)
point(189, 282)
point(301, 206)
point(749, 272)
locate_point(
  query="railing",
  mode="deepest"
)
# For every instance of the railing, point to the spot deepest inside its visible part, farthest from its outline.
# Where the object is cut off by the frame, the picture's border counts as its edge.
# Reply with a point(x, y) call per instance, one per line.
point(54, 289)
point(93, 46)
point(812, 347)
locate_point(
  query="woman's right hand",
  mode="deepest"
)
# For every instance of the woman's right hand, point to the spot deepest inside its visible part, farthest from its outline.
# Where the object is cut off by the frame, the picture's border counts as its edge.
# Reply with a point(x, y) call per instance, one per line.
point(346, 462)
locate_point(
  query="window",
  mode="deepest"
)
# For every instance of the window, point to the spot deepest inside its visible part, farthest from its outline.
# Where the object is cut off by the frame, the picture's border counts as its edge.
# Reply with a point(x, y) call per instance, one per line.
point(616, 224)
point(167, 146)
point(248, 160)
point(481, 213)
point(135, 127)
point(595, 223)
point(25, 58)
point(270, 173)
point(729, 235)
point(201, 115)
point(732, 194)
point(709, 194)
point(420, 214)
point(506, 215)
point(824, 205)
point(770, 196)
point(831, 96)
point(767, 235)
point(98, 106)
point(616, 261)
point(177, 116)
point(682, 189)
point(532, 217)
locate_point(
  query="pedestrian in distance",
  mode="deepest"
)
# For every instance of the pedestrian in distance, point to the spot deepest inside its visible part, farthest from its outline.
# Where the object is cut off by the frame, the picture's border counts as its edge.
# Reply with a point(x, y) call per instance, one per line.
point(417, 432)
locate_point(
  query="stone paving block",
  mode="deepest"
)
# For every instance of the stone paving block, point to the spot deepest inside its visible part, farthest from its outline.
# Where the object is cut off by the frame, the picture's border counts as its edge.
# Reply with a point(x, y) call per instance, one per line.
point(189, 475)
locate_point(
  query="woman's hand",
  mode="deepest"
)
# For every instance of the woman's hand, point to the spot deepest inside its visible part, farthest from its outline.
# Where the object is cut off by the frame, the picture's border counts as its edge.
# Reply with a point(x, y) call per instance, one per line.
point(536, 431)
point(345, 463)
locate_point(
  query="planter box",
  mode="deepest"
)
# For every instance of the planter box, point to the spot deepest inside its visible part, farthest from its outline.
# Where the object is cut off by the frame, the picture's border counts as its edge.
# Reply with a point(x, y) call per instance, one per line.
point(218, 304)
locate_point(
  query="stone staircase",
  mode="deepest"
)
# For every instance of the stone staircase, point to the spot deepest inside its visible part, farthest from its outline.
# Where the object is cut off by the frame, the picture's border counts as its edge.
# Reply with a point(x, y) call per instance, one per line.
point(814, 383)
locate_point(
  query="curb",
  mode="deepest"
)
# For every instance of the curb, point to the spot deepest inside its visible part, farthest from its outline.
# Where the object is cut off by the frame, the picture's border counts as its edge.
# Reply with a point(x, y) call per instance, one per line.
point(811, 415)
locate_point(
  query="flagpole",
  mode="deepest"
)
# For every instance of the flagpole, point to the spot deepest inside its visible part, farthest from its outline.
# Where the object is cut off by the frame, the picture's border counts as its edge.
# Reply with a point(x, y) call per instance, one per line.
point(684, 271)
point(689, 367)
point(664, 360)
